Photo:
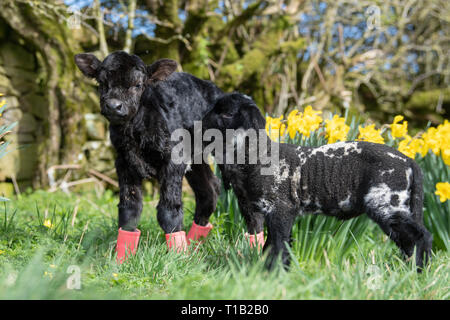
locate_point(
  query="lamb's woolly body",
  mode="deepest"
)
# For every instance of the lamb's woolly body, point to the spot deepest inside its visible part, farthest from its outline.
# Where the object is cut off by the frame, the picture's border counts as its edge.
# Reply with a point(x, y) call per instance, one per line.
point(333, 179)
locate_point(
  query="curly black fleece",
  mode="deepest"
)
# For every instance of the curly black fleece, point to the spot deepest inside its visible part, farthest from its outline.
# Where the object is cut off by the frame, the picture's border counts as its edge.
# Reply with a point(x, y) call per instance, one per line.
point(342, 180)
point(144, 105)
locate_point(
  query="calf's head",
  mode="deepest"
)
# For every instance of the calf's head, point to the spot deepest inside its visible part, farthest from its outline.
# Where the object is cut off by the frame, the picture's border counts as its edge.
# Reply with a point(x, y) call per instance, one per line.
point(234, 111)
point(122, 79)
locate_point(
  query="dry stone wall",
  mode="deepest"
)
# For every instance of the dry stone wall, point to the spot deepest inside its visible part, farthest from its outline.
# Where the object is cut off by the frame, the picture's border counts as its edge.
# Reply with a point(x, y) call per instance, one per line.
point(23, 90)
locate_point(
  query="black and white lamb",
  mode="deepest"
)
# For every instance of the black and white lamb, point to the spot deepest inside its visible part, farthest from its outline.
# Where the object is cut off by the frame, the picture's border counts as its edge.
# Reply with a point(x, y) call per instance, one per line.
point(343, 180)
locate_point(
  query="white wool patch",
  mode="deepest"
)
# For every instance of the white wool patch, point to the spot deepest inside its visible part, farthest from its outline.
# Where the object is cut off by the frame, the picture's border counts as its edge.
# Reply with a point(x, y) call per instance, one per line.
point(408, 177)
point(379, 199)
point(383, 172)
point(281, 172)
point(295, 182)
point(390, 154)
point(349, 147)
point(302, 155)
point(345, 204)
point(265, 206)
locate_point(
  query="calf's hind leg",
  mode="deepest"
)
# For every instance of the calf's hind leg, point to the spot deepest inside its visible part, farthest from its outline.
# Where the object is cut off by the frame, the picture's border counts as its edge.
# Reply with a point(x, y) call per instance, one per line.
point(206, 188)
point(255, 227)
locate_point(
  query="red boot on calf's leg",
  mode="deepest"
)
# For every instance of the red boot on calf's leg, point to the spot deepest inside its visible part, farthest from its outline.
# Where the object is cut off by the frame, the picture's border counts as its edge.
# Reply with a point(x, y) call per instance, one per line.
point(256, 239)
point(196, 232)
point(127, 241)
point(177, 241)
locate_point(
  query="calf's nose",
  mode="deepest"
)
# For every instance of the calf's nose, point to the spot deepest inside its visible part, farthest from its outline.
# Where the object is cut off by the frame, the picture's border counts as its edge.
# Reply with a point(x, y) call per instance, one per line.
point(114, 104)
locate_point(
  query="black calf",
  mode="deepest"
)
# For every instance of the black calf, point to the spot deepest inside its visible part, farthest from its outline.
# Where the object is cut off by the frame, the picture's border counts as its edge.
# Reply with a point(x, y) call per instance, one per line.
point(144, 105)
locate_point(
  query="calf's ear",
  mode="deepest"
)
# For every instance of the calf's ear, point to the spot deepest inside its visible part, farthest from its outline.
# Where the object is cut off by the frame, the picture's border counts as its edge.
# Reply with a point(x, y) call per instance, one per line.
point(161, 69)
point(88, 64)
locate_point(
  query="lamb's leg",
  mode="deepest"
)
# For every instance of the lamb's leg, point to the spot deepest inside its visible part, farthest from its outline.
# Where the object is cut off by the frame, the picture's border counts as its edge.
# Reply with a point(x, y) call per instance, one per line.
point(407, 235)
point(170, 206)
point(279, 225)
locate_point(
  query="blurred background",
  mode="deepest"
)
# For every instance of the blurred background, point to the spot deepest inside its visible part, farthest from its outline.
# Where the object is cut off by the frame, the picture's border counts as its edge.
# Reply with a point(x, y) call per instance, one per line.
point(375, 58)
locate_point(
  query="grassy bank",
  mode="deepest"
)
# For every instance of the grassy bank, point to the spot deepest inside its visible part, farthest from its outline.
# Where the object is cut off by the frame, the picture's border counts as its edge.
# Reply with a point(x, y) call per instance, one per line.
point(42, 234)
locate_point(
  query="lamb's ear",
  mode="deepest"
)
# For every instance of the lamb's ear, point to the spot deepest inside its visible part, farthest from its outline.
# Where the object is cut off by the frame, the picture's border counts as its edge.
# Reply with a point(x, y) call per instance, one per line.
point(88, 64)
point(161, 69)
point(253, 117)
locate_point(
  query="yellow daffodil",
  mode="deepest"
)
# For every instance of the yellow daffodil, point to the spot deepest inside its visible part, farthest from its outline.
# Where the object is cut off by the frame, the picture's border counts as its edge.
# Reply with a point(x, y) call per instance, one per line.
point(446, 156)
point(432, 140)
point(399, 130)
point(444, 135)
point(302, 122)
point(438, 141)
point(370, 134)
point(409, 147)
point(336, 129)
point(309, 121)
point(293, 122)
point(443, 191)
point(275, 128)
point(48, 223)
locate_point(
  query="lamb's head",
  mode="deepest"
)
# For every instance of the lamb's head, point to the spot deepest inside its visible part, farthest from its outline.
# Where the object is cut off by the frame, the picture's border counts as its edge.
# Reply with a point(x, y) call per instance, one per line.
point(234, 111)
point(122, 79)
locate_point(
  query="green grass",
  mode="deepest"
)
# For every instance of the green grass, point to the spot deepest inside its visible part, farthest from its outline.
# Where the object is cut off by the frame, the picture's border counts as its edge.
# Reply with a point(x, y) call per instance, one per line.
point(331, 259)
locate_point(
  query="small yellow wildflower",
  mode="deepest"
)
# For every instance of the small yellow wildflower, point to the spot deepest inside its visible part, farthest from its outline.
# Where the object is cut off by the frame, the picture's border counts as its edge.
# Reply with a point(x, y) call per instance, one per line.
point(443, 191)
point(410, 147)
point(53, 266)
point(275, 128)
point(336, 129)
point(2, 251)
point(48, 223)
point(370, 134)
point(399, 130)
point(48, 274)
point(115, 275)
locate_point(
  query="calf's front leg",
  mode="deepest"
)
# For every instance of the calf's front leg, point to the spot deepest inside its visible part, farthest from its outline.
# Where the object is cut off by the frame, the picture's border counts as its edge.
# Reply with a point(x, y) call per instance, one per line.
point(170, 206)
point(130, 208)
